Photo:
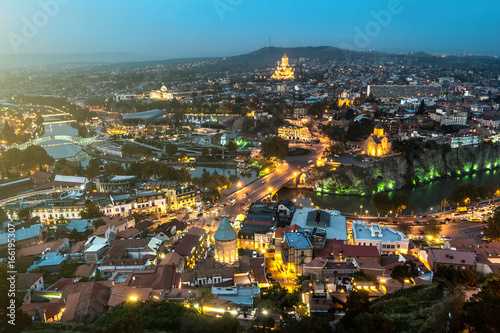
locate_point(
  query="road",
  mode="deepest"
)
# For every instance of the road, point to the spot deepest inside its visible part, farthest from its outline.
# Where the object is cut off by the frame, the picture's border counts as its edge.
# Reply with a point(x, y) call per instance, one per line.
point(262, 187)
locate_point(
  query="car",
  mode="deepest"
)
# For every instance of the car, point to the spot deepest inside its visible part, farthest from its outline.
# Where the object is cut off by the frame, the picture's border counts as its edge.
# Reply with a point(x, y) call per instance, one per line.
point(200, 214)
point(263, 182)
point(247, 194)
point(435, 216)
point(272, 280)
point(269, 275)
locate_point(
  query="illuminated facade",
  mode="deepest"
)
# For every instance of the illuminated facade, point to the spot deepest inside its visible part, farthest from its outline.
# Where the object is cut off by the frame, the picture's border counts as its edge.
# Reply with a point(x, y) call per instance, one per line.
point(345, 102)
point(284, 71)
point(378, 143)
point(295, 133)
point(63, 210)
point(226, 243)
point(161, 94)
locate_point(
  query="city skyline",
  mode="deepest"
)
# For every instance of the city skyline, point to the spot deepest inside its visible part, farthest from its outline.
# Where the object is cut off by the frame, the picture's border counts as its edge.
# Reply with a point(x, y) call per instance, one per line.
point(162, 30)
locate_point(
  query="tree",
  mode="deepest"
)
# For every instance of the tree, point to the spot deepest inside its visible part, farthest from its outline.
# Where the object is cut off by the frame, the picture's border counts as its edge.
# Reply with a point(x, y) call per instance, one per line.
point(368, 322)
point(205, 152)
point(404, 272)
point(404, 228)
point(400, 202)
point(83, 131)
point(215, 151)
point(170, 149)
point(275, 147)
point(335, 149)
point(232, 147)
point(482, 309)
point(432, 228)
point(493, 230)
point(8, 133)
point(98, 223)
point(93, 169)
point(413, 207)
point(381, 202)
point(24, 213)
point(113, 168)
point(421, 108)
point(357, 301)
point(91, 210)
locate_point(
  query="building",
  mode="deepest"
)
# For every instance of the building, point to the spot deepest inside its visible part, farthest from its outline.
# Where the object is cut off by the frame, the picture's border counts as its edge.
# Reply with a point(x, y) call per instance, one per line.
point(115, 183)
point(226, 243)
point(59, 211)
point(161, 94)
point(458, 140)
point(294, 133)
point(182, 197)
point(403, 91)
point(296, 250)
point(330, 221)
point(451, 258)
point(126, 204)
point(378, 143)
point(387, 240)
point(299, 112)
point(284, 71)
point(449, 119)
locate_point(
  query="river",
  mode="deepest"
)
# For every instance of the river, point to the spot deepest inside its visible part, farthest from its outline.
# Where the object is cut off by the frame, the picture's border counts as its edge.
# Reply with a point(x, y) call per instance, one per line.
point(425, 197)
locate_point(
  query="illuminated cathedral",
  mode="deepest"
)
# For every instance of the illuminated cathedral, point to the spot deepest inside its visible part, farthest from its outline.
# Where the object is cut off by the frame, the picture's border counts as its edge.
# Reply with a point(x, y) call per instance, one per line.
point(284, 71)
point(378, 143)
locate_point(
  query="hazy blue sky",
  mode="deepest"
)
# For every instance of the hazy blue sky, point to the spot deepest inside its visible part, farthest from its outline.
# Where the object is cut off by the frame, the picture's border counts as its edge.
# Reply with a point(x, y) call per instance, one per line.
point(183, 28)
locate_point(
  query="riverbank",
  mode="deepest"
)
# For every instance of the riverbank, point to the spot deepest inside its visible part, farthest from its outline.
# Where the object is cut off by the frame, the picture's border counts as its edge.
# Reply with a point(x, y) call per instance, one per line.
point(404, 171)
point(425, 196)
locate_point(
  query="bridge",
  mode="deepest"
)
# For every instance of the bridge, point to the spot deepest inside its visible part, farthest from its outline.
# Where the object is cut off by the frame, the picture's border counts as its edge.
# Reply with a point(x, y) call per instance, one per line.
point(35, 193)
point(74, 139)
point(59, 122)
point(55, 114)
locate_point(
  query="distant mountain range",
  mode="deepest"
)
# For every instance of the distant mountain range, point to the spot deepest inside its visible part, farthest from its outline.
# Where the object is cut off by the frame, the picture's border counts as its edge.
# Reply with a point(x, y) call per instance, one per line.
point(257, 59)
point(20, 60)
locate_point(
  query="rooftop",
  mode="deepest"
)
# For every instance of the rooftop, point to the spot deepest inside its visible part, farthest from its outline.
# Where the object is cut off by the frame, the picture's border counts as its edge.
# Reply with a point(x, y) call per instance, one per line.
point(330, 220)
point(375, 232)
point(225, 232)
point(297, 240)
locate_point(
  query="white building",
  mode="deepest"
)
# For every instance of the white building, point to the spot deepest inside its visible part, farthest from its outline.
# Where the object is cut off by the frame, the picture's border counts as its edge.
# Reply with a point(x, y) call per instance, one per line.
point(463, 139)
point(387, 240)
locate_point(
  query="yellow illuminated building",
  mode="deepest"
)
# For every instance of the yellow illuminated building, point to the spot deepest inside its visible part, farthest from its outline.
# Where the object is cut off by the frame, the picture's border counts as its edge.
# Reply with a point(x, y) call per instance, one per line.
point(345, 101)
point(161, 94)
point(295, 133)
point(378, 143)
point(284, 71)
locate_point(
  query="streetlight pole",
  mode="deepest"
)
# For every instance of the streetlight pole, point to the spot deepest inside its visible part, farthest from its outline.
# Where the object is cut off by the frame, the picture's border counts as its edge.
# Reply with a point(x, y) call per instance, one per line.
point(360, 208)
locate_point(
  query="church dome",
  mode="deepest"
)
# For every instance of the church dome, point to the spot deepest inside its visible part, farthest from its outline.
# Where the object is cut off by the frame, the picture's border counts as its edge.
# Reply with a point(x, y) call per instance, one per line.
point(225, 232)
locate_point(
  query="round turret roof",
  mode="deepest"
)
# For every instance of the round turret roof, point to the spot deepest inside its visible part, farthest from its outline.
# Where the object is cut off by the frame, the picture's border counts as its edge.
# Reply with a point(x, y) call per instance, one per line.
point(225, 232)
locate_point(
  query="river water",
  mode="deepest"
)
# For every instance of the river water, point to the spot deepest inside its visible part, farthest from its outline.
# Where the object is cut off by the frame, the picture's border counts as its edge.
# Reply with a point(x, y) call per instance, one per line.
point(425, 197)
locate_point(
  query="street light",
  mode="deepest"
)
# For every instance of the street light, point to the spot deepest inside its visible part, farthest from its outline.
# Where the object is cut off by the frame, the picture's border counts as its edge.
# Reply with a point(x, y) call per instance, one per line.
point(366, 212)
point(239, 185)
point(360, 208)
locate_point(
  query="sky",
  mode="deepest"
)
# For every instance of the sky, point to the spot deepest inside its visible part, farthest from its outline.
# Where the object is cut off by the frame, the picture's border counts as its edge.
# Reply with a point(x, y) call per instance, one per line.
point(163, 29)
